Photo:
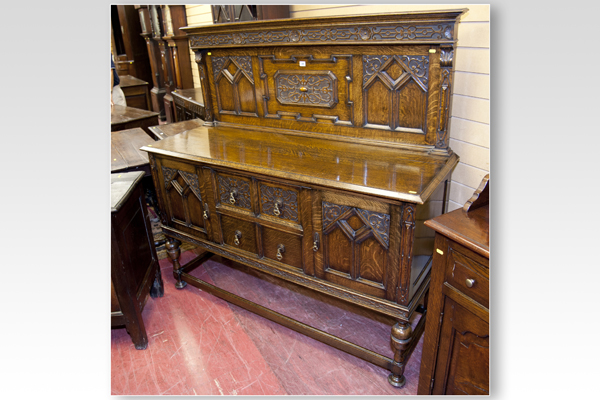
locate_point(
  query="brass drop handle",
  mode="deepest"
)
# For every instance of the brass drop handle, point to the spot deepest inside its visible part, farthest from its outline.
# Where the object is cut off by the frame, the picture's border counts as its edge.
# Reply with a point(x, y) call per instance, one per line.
point(205, 214)
point(232, 196)
point(470, 282)
point(237, 238)
point(276, 209)
point(280, 249)
point(316, 242)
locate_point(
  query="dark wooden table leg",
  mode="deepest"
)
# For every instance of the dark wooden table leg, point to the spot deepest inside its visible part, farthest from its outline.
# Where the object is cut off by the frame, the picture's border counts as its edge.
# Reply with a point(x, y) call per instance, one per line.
point(400, 340)
point(174, 252)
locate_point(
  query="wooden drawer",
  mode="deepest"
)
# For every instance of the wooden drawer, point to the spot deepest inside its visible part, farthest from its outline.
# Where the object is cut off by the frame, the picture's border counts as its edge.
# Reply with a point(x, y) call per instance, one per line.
point(468, 276)
point(282, 246)
point(239, 233)
point(279, 202)
point(234, 191)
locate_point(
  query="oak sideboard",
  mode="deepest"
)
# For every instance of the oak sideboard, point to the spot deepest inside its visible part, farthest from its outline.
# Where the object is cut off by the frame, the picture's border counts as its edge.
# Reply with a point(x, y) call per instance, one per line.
point(323, 151)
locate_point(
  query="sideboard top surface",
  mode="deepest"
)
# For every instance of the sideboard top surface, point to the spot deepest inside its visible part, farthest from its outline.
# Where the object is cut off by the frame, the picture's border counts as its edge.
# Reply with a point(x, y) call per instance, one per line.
point(369, 169)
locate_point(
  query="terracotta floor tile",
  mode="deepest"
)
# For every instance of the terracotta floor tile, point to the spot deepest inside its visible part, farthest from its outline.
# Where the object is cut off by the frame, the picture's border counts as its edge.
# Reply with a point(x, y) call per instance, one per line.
point(199, 344)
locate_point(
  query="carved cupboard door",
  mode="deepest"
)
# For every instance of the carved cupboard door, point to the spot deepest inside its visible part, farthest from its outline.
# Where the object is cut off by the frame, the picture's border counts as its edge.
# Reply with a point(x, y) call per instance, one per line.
point(356, 244)
point(185, 194)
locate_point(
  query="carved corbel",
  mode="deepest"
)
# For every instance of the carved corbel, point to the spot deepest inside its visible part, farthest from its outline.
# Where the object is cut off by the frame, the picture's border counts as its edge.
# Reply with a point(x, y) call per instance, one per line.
point(446, 62)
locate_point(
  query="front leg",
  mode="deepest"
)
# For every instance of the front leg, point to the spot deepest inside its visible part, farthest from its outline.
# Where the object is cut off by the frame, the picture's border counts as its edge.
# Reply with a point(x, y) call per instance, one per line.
point(174, 252)
point(400, 340)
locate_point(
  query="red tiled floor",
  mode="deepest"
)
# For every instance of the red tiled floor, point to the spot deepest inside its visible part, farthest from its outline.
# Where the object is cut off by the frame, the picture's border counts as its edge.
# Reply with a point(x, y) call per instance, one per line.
point(199, 344)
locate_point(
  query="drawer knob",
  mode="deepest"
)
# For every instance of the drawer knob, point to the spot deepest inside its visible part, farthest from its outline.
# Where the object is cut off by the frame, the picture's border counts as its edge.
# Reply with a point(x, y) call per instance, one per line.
point(276, 210)
point(470, 282)
point(303, 89)
point(236, 240)
point(280, 249)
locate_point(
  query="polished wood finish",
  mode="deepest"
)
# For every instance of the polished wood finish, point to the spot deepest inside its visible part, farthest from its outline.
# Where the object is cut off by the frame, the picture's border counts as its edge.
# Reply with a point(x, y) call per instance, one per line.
point(456, 348)
point(134, 264)
point(302, 172)
point(160, 132)
point(129, 49)
point(122, 118)
point(189, 104)
point(125, 154)
point(136, 92)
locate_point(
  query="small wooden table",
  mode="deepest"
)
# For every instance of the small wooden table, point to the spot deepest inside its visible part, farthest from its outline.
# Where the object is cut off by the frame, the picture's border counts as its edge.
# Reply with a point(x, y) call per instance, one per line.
point(189, 104)
point(160, 132)
point(122, 118)
point(136, 92)
point(125, 154)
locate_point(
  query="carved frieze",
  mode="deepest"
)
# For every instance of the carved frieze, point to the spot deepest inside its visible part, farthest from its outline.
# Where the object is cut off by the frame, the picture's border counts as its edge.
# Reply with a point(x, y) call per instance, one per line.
point(279, 202)
point(311, 88)
point(341, 34)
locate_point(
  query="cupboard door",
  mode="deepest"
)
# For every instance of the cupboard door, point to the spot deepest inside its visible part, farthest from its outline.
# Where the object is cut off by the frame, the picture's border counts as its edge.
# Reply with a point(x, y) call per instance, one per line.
point(185, 196)
point(354, 243)
point(463, 353)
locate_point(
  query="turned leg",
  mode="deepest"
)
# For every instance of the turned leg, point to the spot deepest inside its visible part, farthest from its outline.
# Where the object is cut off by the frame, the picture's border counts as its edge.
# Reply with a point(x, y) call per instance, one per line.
point(400, 339)
point(157, 289)
point(174, 252)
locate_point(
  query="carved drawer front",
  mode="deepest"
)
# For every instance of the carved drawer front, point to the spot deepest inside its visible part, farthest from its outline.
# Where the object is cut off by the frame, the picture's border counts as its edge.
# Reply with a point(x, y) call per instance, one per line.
point(469, 276)
point(234, 191)
point(304, 84)
point(239, 233)
point(355, 245)
point(279, 202)
point(282, 246)
point(184, 198)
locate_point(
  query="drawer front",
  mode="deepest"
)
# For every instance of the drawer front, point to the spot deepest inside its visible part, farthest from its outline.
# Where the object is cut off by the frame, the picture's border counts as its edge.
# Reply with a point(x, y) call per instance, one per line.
point(279, 202)
point(239, 233)
point(468, 276)
point(234, 191)
point(283, 247)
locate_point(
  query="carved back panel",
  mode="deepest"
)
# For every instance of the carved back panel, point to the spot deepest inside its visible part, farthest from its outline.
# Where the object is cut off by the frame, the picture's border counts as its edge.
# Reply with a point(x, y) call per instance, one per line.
point(380, 78)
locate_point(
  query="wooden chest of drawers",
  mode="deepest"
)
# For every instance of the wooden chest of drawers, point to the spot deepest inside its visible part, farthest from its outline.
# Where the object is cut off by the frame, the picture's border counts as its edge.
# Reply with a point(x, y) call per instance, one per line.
point(319, 161)
point(456, 348)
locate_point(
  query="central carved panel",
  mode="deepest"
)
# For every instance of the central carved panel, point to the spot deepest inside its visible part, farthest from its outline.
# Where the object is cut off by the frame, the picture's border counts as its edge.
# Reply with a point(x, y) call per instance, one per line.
point(311, 88)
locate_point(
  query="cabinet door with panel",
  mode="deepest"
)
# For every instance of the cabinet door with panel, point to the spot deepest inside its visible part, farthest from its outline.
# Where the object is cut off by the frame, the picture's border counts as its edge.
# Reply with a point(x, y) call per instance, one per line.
point(186, 194)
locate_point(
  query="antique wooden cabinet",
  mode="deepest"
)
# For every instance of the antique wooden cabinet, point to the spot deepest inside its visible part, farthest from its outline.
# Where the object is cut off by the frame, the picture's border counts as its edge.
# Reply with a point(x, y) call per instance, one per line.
point(456, 347)
point(134, 266)
point(325, 147)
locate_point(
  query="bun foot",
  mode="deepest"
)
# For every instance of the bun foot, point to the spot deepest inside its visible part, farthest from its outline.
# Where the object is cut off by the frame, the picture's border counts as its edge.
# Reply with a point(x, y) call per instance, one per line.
point(397, 381)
